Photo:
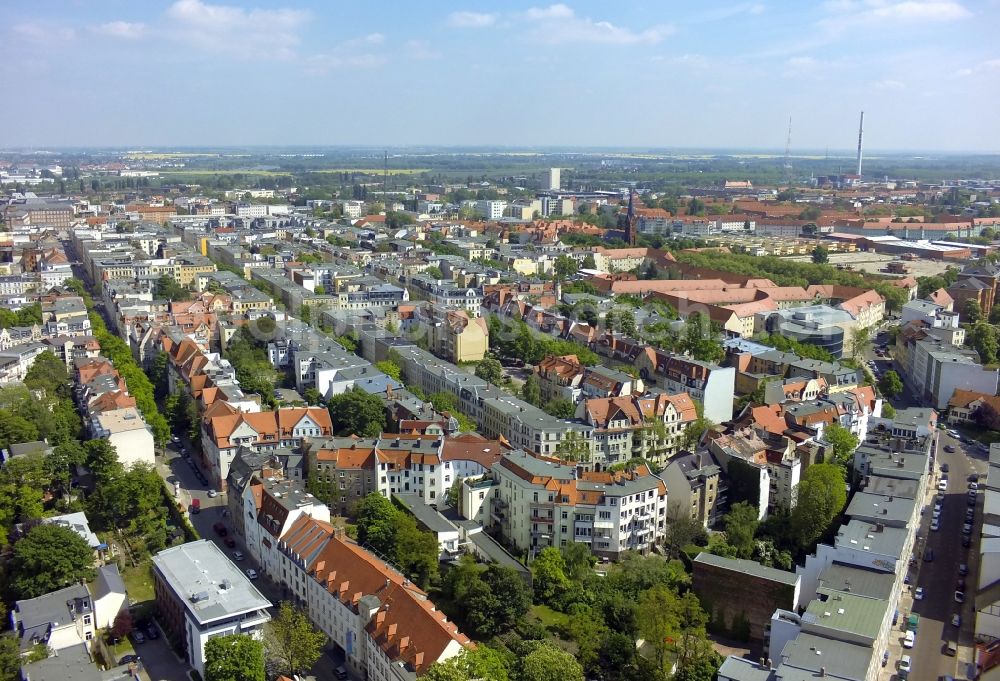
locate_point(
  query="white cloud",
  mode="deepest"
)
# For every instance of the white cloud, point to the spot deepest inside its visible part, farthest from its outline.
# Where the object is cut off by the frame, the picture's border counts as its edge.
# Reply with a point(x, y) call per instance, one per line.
point(991, 64)
point(698, 61)
point(246, 33)
point(420, 50)
point(121, 29)
point(800, 66)
point(728, 12)
point(471, 19)
point(559, 24)
point(321, 64)
point(876, 13)
point(370, 39)
point(963, 72)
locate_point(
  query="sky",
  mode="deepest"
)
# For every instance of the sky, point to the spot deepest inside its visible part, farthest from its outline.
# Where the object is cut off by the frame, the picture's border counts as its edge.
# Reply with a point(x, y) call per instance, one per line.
point(645, 73)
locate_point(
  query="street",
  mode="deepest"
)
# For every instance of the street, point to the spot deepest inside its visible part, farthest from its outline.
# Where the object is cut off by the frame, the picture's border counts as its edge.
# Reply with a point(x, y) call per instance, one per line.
point(939, 577)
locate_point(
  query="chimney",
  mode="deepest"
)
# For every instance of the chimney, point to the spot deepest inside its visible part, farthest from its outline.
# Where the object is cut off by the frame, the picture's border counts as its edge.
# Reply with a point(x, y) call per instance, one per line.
point(822, 672)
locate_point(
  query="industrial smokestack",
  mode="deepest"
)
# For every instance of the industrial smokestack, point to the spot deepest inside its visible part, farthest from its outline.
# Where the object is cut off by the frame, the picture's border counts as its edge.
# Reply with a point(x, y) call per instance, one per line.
point(861, 136)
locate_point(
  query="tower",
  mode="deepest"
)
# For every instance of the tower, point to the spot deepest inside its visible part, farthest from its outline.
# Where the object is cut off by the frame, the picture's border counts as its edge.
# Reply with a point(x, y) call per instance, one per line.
point(554, 179)
point(788, 147)
point(861, 135)
point(385, 183)
point(631, 221)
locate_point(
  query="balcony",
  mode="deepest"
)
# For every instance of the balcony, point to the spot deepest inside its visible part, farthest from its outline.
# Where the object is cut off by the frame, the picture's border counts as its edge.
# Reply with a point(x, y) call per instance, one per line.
point(604, 524)
point(541, 519)
point(583, 538)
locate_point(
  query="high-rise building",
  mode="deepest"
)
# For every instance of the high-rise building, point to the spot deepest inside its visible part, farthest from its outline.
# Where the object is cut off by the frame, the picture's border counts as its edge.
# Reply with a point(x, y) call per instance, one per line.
point(554, 179)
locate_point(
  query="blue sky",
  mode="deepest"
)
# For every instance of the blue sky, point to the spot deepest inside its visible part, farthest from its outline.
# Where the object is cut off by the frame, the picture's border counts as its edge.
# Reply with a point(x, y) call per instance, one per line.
point(649, 73)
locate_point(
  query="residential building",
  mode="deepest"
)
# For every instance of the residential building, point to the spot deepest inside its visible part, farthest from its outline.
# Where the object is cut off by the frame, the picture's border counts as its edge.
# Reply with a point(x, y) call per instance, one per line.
point(537, 502)
point(127, 432)
point(450, 334)
point(58, 620)
point(708, 383)
point(697, 488)
point(201, 594)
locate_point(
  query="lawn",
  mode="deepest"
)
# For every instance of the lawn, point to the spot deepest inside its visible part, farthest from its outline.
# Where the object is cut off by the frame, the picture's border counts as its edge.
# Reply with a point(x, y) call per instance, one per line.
point(548, 617)
point(139, 583)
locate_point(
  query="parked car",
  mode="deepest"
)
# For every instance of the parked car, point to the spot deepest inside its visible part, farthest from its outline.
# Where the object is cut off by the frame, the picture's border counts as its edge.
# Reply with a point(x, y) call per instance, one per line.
point(960, 584)
point(963, 569)
point(251, 573)
point(237, 555)
point(220, 529)
point(967, 528)
point(944, 468)
point(935, 525)
point(905, 664)
point(929, 555)
point(138, 637)
point(909, 638)
point(918, 595)
point(152, 632)
point(956, 620)
point(340, 672)
point(960, 597)
point(949, 448)
point(212, 494)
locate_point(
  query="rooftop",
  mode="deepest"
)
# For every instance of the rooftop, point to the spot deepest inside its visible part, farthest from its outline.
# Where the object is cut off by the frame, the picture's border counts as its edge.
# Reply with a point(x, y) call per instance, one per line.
point(749, 567)
point(211, 586)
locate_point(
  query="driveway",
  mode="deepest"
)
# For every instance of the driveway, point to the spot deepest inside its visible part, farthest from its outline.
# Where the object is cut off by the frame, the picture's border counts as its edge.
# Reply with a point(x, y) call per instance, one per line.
point(160, 663)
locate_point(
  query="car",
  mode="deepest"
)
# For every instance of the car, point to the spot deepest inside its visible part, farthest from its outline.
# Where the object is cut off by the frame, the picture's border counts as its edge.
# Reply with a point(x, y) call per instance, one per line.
point(951, 648)
point(970, 501)
point(130, 659)
point(966, 542)
point(212, 494)
point(340, 672)
point(963, 569)
point(929, 555)
point(939, 496)
point(973, 486)
point(905, 665)
point(138, 637)
point(955, 434)
point(220, 529)
point(251, 573)
point(937, 513)
point(974, 477)
point(943, 484)
point(237, 555)
point(960, 597)
point(174, 438)
point(935, 525)
point(152, 632)
point(909, 639)
point(885, 658)
point(949, 448)
point(944, 468)
point(956, 620)
point(230, 542)
point(918, 595)
point(967, 528)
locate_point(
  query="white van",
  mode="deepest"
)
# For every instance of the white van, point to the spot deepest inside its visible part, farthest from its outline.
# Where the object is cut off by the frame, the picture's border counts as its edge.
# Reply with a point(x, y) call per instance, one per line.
point(909, 639)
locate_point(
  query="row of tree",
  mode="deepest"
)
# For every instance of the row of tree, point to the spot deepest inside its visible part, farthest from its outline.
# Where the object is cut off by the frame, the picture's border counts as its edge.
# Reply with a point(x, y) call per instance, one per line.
point(393, 535)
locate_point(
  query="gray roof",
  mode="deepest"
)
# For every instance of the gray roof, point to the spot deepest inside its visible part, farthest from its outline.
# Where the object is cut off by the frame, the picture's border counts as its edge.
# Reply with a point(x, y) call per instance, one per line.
point(747, 566)
point(894, 487)
point(210, 585)
point(742, 669)
point(489, 547)
point(78, 523)
point(35, 617)
point(880, 508)
point(859, 581)
point(862, 535)
point(809, 653)
point(108, 581)
point(73, 662)
point(425, 515)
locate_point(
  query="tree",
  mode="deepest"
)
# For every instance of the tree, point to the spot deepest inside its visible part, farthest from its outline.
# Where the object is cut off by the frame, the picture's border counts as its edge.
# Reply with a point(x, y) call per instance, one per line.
point(490, 370)
point(578, 560)
point(658, 622)
point(683, 530)
point(693, 432)
point(972, 311)
point(843, 441)
point(574, 447)
point(434, 272)
point(481, 662)
point(888, 411)
point(390, 368)
point(627, 321)
point(890, 384)
point(741, 526)
point(565, 267)
point(291, 641)
point(549, 571)
point(377, 524)
point(356, 412)
point(513, 595)
point(548, 663)
point(48, 373)
point(49, 557)
point(312, 396)
point(237, 657)
point(983, 337)
point(861, 342)
point(168, 288)
point(820, 255)
point(417, 552)
point(588, 262)
point(531, 390)
point(560, 407)
point(995, 314)
point(821, 496)
point(122, 625)
point(698, 339)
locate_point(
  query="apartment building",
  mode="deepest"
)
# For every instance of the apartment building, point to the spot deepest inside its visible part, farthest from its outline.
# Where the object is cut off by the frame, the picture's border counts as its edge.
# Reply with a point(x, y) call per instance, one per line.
point(225, 430)
point(201, 594)
point(385, 626)
point(933, 367)
point(648, 427)
point(708, 383)
point(697, 487)
point(535, 502)
point(449, 334)
point(564, 377)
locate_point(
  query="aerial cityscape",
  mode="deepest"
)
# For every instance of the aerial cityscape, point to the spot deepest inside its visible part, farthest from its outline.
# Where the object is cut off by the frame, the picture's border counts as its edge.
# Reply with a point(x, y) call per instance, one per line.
point(511, 342)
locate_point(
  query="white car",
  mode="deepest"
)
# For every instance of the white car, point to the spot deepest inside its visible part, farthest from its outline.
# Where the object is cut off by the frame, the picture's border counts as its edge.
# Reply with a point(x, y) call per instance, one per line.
point(955, 434)
point(909, 639)
point(905, 664)
point(918, 595)
point(251, 573)
point(956, 620)
point(935, 525)
point(943, 484)
point(936, 516)
point(212, 494)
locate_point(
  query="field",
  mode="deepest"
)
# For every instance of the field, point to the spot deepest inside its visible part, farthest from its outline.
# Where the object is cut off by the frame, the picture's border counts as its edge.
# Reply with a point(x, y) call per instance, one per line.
point(875, 262)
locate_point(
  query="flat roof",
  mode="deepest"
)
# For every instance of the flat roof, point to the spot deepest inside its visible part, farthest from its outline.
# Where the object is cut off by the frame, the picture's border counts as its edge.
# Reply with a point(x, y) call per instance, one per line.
point(811, 652)
point(880, 507)
point(859, 581)
point(489, 547)
point(210, 585)
point(749, 567)
point(863, 535)
point(846, 612)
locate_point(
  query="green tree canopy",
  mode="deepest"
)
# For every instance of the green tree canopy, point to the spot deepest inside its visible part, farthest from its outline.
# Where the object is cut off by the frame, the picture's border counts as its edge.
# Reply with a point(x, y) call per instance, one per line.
point(821, 497)
point(291, 641)
point(843, 441)
point(548, 663)
point(741, 528)
point(356, 412)
point(472, 664)
point(49, 557)
point(820, 255)
point(237, 657)
point(890, 384)
point(490, 369)
point(377, 524)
